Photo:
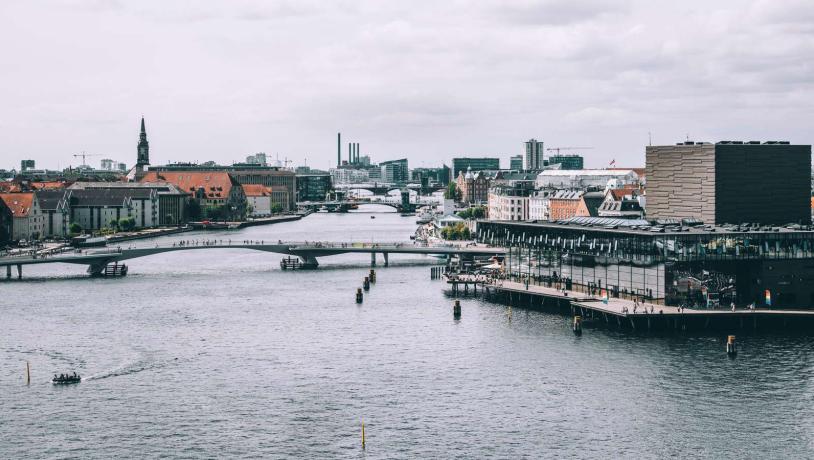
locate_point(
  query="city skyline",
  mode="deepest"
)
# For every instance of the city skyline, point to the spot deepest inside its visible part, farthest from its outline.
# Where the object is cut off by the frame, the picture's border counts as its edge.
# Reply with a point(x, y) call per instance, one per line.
point(219, 82)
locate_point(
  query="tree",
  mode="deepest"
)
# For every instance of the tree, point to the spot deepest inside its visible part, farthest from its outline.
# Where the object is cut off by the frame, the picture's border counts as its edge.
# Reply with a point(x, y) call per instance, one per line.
point(451, 193)
point(75, 228)
point(127, 224)
point(194, 210)
point(477, 212)
point(276, 208)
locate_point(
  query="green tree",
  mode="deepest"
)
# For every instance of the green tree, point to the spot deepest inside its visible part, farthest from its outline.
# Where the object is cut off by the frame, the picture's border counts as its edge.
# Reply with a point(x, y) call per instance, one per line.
point(127, 224)
point(75, 228)
point(276, 208)
point(194, 210)
point(451, 193)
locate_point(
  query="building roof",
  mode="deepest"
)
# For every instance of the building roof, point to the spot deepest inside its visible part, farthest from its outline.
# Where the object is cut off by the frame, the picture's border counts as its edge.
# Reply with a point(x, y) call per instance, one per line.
point(619, 194)
point(567, 195)
point(215, 184)
point(20, 204)
point(52, 200)
point(586, 172)
point(256, 190)
point(592, 202)
point(163, 188)
point(114, 197)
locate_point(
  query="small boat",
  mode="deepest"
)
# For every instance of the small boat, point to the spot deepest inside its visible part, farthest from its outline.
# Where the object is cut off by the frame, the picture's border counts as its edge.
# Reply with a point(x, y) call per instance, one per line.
point(372, 217)
point(66, 379)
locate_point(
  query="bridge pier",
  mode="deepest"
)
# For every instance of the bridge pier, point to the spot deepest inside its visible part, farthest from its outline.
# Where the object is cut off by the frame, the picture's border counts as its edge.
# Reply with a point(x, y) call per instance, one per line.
point(8, 271)
point(19, 272)
point(372, 259)
point(386, 259)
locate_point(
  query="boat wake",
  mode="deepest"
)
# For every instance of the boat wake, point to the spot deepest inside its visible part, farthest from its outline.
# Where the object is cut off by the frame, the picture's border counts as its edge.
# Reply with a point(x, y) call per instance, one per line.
point(133, 368)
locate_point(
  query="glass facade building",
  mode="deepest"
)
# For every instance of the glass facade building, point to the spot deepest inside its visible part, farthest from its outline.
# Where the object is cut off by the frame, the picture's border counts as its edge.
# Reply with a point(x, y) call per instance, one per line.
point(695, 267)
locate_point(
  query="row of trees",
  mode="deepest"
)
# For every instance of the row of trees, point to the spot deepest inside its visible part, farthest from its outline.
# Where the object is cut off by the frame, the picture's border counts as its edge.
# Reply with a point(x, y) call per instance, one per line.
point(125, 224)
point(458, 231)
point(475, 212)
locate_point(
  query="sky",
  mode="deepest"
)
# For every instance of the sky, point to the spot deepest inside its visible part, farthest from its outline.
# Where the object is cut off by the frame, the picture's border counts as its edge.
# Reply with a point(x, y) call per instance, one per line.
point(426, 80)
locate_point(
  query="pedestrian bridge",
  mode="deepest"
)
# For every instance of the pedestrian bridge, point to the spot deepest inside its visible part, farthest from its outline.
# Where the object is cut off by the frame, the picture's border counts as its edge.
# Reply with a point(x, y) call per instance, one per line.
point(97, 259)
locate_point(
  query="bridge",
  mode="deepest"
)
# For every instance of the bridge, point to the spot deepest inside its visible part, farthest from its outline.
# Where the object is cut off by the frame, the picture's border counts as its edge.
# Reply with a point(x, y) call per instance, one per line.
point(381, 188)
point(345, 205)
point(307, 253)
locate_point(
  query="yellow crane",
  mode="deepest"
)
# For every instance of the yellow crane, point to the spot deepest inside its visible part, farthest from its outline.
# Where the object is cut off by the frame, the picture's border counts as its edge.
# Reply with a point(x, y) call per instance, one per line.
point(557, 149)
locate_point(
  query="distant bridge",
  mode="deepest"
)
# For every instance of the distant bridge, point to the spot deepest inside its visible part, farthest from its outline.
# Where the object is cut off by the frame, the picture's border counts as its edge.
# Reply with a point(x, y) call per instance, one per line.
point(345, 205)
point(97, 260)
point(381, 188)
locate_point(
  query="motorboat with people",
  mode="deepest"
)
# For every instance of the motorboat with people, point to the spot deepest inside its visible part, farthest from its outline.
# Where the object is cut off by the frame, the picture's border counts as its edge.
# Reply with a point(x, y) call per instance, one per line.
point(65, 379)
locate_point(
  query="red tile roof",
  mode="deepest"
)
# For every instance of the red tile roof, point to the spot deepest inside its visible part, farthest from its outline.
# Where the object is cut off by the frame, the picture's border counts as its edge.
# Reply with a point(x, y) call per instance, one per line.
point(255, 190)
point(216, 185)
point(19, 203)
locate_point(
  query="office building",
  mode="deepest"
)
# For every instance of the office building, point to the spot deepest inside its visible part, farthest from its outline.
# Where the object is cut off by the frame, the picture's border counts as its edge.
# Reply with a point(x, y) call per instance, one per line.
point(394, 171)
point(534, 155)
point(516, 163)
point(730, 182)
point(313, 186)
point(464, 164)
point(568, 162)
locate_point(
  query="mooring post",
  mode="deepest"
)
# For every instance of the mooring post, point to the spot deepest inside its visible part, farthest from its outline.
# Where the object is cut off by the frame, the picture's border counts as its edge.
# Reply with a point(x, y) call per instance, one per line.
point(372, 259)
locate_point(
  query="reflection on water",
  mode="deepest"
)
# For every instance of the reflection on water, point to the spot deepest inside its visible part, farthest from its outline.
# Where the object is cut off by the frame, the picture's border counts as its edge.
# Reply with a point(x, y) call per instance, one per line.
point(220, 353)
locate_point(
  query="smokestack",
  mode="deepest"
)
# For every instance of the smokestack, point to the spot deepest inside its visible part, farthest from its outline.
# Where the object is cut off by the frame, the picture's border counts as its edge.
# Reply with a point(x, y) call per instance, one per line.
point(338, 149)
point(350, 153)
point(358, 155)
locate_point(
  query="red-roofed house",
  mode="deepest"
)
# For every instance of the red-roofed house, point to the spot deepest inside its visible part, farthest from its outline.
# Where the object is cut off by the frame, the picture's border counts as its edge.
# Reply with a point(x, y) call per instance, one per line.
point(213, 190)
point(27, 221)
point(258, 198)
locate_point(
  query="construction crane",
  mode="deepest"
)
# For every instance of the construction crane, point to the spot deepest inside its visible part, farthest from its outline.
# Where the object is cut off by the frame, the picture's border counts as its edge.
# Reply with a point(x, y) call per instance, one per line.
point(557, 149)
point(83, 155)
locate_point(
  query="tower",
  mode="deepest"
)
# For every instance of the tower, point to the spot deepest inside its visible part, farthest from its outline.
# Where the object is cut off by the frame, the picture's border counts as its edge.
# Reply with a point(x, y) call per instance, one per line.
point(143, 156)
point(534, 155)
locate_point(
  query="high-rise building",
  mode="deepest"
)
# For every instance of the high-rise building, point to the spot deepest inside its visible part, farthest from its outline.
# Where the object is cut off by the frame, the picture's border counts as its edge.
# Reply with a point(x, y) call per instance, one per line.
point(534, 155)
point(257, 159)
point(394, 171)
point(463, 164)
point(107, 164)
point(730, 182)
point(568, 162)
point(25, 165)
point(516, 163)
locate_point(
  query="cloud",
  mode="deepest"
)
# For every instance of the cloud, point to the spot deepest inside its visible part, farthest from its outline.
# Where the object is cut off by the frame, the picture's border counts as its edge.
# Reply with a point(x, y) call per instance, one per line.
point(426, 79)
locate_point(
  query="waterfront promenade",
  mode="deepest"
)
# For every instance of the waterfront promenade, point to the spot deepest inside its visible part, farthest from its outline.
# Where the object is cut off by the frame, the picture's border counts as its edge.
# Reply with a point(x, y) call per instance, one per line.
point(629, 314)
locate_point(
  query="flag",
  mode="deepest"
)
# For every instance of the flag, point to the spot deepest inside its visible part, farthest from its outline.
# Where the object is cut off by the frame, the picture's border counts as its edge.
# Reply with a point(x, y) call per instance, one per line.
point(613, 162)
point(768, 298)
point(605, 296)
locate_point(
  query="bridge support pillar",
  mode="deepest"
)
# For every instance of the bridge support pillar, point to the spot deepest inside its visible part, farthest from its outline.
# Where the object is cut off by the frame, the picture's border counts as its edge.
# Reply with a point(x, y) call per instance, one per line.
point(19, 272)
point(8, 271)
point(372, 259)
point(386, 259)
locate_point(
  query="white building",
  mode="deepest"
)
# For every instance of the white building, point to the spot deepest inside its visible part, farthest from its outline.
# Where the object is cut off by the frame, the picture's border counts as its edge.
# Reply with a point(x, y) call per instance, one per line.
point(258, 198)
point(508, 203)
point(539, 208)
point(581, 179)
point(349, 176)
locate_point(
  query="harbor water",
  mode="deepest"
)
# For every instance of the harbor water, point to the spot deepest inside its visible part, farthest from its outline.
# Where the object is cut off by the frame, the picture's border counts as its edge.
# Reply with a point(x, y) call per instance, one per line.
point(220, 353)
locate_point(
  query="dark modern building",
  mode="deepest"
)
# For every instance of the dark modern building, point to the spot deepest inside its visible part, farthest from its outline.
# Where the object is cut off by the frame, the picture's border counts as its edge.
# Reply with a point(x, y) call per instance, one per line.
point(516, 163)
point(430, 175)
point(394, 171)
point(569, 162)
point(25, 165)
point(475, 164)
point(695, 267)
point(313, 186)
point(730, 182)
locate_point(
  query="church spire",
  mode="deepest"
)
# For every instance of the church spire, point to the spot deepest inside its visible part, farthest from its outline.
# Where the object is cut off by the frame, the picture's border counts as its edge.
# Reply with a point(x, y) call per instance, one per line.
point(143, 150)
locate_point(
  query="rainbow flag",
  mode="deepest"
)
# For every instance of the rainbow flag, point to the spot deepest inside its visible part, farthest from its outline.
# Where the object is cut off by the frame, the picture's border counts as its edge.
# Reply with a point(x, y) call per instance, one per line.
point(768, 298)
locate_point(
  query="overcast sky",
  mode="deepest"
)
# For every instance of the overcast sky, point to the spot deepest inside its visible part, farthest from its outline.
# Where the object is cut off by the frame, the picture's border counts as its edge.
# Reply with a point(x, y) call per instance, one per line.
point(428, 80)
